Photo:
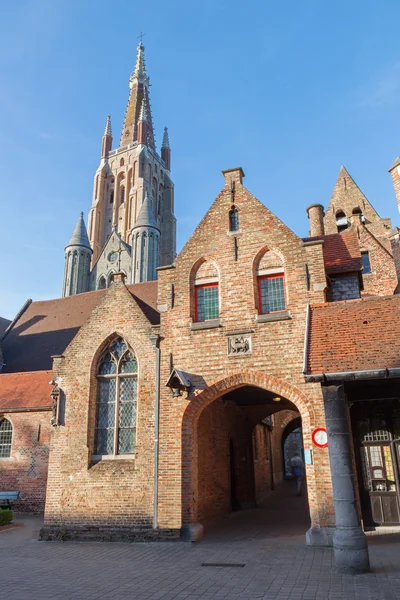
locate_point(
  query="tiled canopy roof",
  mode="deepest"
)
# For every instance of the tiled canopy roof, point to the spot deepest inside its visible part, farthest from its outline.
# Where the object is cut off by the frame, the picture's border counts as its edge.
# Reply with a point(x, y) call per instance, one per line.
point(356, 335)
point(46, 328)
point(341, 252)
point(25, 390)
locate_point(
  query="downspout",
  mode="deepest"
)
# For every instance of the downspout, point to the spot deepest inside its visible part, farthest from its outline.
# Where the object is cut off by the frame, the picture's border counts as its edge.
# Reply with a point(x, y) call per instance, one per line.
point(306, 336)
point(155, 340)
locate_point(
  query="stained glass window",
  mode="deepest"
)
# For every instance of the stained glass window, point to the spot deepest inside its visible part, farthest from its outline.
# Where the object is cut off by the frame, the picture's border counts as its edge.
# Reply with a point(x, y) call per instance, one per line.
point(116, 401)
point(207, 302)
point(272, 293)
point(5, 438)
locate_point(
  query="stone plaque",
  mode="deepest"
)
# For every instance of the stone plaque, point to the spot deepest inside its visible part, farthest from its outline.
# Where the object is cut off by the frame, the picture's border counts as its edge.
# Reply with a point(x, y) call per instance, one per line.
point(239, 345)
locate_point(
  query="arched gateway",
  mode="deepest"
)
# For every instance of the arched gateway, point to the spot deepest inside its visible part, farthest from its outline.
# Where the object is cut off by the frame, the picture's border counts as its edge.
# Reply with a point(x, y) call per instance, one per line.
point(253, 397)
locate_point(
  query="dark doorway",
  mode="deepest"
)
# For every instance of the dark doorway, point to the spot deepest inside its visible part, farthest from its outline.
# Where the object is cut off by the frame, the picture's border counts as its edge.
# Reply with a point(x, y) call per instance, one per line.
point(232, 476)
point(292, 443)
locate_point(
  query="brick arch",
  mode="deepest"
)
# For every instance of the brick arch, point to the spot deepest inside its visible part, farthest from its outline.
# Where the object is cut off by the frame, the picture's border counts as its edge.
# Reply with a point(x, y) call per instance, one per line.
point(203, 399)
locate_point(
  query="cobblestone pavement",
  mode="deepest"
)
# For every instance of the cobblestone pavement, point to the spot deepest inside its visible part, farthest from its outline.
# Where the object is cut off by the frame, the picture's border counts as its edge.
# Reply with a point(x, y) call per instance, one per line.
point(268, 541)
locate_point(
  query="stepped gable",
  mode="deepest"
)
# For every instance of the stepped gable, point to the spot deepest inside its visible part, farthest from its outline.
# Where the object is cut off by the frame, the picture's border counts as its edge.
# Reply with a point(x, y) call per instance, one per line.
point(29, 390)
point(356, 335)
point(47, 327)
point(341, 252)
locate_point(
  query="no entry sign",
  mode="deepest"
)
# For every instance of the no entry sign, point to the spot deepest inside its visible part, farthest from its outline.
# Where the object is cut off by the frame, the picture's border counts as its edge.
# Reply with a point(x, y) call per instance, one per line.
point(320, 437)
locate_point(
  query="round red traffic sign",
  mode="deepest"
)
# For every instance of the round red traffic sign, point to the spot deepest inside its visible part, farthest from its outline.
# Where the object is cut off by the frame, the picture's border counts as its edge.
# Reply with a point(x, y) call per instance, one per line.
point(320, 437)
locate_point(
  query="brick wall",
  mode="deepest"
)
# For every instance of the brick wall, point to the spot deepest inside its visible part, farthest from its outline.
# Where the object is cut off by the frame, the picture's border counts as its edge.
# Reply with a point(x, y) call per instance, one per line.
point(275, 363)
point(110, 493)
point(26, 469)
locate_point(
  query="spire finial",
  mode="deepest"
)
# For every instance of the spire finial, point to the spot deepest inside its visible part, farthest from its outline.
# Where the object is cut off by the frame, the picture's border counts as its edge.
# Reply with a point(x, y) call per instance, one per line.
point(165, 142)
point(107, 129)
point(140, 67)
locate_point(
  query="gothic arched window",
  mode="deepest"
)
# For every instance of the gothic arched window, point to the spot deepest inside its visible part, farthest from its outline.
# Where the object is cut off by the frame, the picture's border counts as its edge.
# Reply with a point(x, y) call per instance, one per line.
point(102, 284)
point(116, 401)
point(271, 283)
point(233, 219)
point(122, 194)
point(5, 438)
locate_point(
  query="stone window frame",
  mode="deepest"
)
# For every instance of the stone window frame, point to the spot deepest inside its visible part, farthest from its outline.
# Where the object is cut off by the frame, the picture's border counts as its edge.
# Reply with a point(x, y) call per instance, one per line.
point(118, 376)
point(3, 435)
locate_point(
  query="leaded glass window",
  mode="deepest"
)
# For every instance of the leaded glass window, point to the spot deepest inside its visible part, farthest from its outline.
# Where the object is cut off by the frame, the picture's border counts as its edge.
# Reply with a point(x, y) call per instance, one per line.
point(272, 293)
point(207, 302)
point(5, 438)
point(116, 402)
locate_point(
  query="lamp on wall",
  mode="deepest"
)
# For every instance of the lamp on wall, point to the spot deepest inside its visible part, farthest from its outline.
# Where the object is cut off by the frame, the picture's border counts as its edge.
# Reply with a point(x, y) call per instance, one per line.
point(179, 381)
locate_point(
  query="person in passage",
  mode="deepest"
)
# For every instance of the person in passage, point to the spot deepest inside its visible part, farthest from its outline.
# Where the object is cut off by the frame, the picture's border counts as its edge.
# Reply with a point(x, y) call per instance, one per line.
point(297, 466)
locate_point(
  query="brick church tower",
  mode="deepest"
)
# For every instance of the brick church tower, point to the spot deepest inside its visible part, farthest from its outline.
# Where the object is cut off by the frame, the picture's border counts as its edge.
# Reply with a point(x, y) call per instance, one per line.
point(127, 177)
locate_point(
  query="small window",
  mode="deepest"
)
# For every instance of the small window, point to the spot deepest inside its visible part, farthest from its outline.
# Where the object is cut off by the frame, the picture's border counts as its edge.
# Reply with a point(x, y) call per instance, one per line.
point(111, 196)
point(207, 302)
point(233, 219)
point(366, 262)
point(102, 283)
point(121, 162)
point(5, 438)
point(341, 221)
point(122, 194)
point(272, 293)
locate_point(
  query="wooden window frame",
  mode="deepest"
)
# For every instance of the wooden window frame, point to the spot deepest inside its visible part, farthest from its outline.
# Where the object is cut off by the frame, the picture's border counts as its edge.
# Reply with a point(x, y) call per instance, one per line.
point(215, 284)
point(261, 278)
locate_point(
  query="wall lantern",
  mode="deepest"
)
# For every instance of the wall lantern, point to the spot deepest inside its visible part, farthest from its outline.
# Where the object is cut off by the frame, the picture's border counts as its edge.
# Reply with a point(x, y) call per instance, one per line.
point(179, 382)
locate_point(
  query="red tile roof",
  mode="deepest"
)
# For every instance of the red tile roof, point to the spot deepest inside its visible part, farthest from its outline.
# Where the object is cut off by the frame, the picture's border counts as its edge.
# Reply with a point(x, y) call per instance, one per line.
point(47, 327)
point(356, 335)
point(25, 390)
point(341, 252)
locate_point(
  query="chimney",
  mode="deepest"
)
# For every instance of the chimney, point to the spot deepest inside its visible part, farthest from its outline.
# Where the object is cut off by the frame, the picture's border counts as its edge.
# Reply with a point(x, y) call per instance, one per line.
point(231, 175)
point(316, 215)
point(395, 173)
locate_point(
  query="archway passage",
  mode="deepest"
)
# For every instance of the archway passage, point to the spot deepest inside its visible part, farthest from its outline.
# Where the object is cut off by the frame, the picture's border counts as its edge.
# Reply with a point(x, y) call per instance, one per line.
point(238, 462)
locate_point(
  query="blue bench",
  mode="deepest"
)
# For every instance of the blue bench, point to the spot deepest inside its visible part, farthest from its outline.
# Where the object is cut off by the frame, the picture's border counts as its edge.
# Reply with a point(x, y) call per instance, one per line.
point(7, 497)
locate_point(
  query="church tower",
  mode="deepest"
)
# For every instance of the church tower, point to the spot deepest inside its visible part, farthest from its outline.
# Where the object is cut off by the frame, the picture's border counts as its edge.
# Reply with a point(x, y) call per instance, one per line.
point(131, 177)
point(78, 255)
point(145, 244)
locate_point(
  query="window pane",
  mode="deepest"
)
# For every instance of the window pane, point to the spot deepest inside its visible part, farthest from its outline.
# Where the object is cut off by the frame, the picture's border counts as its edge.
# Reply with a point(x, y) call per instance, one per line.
point(365, 262)
point(127, 415)
point(5, 438)
point(272, 294)
point(207, 302)
point(118, 348)
point(105, 417)
point(126, 444)
point(129, 364)
point(108, 365)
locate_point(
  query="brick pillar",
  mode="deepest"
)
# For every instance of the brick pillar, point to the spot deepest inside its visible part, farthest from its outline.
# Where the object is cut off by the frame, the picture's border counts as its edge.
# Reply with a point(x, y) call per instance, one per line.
point(349, 541)
point(395, 173)
point(316, 215)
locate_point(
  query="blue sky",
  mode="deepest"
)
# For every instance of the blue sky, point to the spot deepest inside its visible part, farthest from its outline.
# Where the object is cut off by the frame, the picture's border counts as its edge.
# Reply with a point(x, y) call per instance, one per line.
point(287, 90)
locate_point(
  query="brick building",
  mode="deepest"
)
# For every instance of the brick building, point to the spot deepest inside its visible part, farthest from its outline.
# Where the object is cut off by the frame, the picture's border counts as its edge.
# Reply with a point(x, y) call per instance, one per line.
point(172, 400)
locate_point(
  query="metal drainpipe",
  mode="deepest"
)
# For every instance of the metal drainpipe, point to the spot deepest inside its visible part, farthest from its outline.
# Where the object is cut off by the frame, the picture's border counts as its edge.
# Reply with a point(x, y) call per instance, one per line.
point(155, 339)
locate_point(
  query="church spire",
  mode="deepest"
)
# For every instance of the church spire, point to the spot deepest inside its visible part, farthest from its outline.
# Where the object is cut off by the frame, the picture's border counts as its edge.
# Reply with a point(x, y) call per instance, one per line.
point(166, 150)
point(78, 255)
point(107, 139)
point(138, 102)
point(143, 130)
